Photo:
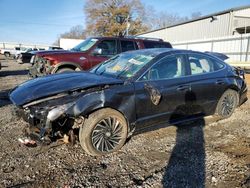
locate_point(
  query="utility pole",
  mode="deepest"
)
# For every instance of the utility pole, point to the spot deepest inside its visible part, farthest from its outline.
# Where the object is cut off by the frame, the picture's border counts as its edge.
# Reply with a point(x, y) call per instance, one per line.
point(128, 24)
point(121, 19)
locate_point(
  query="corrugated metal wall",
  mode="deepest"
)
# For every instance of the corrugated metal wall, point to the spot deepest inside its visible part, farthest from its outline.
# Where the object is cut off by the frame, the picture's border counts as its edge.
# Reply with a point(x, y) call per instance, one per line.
point(215, 36)
point(241, 18)
point(201, 29)
point(236, 47)
point(242, 12)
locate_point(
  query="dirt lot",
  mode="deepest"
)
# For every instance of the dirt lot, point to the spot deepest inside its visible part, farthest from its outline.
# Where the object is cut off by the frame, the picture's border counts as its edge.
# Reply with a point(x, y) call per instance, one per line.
point(199, 154)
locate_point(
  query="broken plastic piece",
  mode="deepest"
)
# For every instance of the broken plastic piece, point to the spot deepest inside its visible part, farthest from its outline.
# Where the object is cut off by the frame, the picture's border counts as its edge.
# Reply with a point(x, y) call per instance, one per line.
point(27, 142)
point(66, 139)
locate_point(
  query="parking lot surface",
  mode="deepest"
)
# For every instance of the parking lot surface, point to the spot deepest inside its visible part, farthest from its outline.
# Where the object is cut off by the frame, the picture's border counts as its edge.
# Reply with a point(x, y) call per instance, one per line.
point(203, 153)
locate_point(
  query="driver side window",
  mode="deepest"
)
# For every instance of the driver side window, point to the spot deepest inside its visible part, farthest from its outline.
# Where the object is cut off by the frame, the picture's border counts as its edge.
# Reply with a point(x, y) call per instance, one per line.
point(108, 47)
point(169, 67)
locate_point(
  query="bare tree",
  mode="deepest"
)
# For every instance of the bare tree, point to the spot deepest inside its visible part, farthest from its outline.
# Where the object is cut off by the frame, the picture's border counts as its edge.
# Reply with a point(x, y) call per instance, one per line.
point(196, 15)
point(101, 17)
point(57, 42)
point(157, 20)
point(76, 32)
point(165, 20)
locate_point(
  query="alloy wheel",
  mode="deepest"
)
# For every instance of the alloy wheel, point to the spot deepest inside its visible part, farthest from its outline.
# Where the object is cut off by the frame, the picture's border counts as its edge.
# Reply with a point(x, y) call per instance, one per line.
point(228, 104)
point(107, 134)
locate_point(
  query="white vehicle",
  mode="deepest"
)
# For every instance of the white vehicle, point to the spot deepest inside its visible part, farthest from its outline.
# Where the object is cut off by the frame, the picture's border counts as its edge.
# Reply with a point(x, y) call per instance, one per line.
point(18, 51)
point(6, 52)
point(13, 52)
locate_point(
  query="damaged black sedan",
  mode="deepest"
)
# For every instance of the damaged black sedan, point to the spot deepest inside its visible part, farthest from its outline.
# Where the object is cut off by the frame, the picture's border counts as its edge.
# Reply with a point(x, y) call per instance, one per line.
point(128, 93)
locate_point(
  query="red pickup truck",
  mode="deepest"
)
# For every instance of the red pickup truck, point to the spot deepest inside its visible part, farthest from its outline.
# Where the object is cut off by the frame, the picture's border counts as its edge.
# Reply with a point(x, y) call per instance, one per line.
point(89, 53)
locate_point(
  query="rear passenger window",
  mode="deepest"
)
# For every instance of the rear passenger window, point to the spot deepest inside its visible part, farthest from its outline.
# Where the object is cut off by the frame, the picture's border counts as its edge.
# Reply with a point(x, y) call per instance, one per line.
point(127, 45)
point(154, 44)
point(200, 64)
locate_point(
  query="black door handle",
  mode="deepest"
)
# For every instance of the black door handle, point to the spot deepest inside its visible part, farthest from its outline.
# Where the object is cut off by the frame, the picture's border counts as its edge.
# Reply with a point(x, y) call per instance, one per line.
point(183, 88)
point(219, 82)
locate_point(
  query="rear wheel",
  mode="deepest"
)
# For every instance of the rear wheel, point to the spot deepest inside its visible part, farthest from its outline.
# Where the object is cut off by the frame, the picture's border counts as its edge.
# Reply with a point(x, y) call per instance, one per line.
point(105, 131)
point(227, 103)
point(64, 70)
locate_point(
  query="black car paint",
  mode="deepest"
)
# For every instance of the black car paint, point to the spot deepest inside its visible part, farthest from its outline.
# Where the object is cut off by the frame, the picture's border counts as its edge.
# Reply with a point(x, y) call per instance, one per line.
point(132, 97)
point(60, 83)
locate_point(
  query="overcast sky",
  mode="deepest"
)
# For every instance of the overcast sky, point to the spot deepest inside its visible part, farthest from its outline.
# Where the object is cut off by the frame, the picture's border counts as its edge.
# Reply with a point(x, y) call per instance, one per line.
point(42, 21)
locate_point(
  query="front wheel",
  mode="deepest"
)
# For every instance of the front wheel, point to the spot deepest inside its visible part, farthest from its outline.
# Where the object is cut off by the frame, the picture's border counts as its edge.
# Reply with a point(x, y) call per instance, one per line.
point(64, 70)
point(105, 131)
point(227, 103)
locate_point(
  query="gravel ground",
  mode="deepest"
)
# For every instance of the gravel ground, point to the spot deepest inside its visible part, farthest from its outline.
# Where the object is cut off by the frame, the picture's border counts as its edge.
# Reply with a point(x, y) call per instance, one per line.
point(203, 153)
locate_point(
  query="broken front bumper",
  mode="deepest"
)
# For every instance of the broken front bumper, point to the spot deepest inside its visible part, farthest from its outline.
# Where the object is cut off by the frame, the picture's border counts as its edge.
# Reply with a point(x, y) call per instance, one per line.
point(40, 67)
point(38, 70)
point(31, 117)
point(35, 71)
point(46, 120)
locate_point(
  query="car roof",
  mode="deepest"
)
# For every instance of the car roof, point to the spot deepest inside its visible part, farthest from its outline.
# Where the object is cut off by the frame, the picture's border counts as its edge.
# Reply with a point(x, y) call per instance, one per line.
point(133, 39)
point(159, 51)
point(155, 51)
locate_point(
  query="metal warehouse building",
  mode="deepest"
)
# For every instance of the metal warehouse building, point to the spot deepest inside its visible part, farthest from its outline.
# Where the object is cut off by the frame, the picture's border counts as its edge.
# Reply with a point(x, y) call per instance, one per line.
point(226, 32)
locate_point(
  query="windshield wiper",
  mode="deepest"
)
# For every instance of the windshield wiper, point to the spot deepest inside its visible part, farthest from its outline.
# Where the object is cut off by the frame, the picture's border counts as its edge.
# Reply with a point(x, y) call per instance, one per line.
point(99, 73)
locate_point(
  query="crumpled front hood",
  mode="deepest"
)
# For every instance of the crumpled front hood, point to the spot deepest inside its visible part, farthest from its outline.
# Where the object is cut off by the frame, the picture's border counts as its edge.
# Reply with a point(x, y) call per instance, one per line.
point(58, 83)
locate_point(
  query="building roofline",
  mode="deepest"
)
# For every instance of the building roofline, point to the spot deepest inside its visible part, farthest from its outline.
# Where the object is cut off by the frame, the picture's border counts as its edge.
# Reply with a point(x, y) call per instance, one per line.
point(200, 18)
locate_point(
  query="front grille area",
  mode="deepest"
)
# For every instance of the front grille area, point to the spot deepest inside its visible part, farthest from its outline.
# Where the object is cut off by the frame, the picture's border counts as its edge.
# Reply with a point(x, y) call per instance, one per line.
point(39, 67)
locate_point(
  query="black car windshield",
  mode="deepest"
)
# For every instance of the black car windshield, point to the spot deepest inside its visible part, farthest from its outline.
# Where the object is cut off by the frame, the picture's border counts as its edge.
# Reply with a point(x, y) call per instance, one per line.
point(85, 45)
point(123, 65)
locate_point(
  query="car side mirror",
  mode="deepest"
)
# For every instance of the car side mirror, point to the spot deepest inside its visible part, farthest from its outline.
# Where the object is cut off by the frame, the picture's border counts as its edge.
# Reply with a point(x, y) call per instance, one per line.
point(97, 51)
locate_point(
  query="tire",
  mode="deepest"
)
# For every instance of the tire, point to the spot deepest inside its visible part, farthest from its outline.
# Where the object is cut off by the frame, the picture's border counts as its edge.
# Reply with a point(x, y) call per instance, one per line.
point(227, 103)
point(98, 138)
point(6, 54)
point(64, 70)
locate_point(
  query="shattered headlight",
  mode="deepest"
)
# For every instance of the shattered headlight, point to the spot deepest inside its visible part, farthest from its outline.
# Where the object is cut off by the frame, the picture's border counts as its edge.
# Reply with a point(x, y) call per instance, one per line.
point(59, 111)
